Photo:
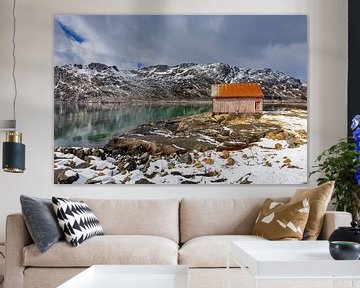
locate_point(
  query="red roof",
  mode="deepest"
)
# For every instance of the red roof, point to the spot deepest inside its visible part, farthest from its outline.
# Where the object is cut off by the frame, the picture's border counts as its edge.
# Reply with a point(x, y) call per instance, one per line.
point(235, 90)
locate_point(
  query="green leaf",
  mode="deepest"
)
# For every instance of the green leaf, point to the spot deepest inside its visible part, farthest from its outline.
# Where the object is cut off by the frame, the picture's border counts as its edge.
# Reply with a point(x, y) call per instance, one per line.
point(339, 163)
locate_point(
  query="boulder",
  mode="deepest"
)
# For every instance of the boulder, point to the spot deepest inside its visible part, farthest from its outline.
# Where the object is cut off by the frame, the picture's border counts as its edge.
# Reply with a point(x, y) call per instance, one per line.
point(169, 150)
point(83, 165)
point(277, 135)
point(232, 146)
point(208, 161)
point(143, 181)
point(145, 167)
point(67, 176)
point(188, 182)
point(130, 166)
point(185, 158)
point(101, 179)
point(278, 146)
point(294, 142)
point(171, 165)
point(80, 153)
point(225, 154)
point(230, 162)
point(144, 158)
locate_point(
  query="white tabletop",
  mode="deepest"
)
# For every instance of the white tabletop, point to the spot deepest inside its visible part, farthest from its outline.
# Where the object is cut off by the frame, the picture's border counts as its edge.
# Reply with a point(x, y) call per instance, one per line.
point(291, 259)
point(131, 276)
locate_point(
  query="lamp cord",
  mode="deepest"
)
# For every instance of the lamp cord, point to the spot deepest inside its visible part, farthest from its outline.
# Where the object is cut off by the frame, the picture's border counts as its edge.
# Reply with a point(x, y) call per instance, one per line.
point(14, 61)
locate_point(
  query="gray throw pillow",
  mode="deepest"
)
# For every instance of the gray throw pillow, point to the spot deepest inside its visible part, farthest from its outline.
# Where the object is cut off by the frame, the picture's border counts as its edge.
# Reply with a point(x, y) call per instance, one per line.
point(41, 221)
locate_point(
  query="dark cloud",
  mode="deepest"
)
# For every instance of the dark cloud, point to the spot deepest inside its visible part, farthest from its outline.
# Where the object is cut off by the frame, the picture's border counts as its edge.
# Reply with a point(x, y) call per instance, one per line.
point(254, 41)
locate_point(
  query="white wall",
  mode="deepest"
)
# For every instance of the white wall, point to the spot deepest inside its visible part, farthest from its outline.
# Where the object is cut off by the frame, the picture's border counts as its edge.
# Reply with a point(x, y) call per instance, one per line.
point(327, 88)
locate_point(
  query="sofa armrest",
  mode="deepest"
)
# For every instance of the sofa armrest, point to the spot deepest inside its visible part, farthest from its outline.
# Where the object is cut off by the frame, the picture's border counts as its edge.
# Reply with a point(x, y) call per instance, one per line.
point(333, 220)
point(17, 237)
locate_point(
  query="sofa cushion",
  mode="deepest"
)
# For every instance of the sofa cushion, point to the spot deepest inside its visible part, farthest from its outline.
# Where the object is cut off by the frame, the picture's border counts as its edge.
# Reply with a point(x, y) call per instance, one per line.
point(279, 221)
point(158, 217)
point(211, 251)
point(41, 221)
point(76, 220)
point(201, 217)
point(107, 249)
point(319, 198)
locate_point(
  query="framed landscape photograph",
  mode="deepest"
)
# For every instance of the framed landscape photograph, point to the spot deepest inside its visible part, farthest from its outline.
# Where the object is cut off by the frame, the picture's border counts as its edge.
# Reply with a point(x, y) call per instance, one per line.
point(173, 99)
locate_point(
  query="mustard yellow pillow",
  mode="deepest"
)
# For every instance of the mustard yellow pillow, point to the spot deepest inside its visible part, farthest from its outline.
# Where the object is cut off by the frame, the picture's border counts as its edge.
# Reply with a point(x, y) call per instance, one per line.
point(279, 221)
point(319, 198)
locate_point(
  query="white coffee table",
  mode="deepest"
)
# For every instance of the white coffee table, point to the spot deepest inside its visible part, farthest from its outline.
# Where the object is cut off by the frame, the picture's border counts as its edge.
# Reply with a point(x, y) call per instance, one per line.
point(131, 276)
point(292, 260)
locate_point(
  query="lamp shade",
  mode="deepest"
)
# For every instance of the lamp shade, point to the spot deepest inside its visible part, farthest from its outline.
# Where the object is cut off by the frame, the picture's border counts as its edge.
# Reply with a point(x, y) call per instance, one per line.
point(13, 153)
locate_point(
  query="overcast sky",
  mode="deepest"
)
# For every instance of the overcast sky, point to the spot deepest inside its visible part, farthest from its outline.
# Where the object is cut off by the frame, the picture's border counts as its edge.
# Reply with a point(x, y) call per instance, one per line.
point(251, 41)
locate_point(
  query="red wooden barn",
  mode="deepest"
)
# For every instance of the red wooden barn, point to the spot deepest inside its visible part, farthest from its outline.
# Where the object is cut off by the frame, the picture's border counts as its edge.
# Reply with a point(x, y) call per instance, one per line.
point(237, 98)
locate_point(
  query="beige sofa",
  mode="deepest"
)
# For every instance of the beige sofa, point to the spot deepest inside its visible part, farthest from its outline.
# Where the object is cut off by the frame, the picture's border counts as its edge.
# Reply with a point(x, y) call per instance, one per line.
point(194, 232)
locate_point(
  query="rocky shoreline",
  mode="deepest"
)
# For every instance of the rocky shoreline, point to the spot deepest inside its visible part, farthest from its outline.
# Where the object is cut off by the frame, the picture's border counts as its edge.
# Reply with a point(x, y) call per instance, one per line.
point(205, 148)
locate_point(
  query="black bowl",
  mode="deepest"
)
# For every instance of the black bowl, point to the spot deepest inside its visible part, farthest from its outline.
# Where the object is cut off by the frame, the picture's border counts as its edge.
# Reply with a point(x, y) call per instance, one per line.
point(344, 250)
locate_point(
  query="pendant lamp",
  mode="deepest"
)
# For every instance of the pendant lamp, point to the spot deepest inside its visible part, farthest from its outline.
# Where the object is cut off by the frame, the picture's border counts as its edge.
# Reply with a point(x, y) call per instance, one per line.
point(13, 149)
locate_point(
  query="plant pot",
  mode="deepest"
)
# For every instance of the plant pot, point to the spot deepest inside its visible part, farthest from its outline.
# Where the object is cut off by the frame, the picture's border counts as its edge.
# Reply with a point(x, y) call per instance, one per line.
point(344, 250)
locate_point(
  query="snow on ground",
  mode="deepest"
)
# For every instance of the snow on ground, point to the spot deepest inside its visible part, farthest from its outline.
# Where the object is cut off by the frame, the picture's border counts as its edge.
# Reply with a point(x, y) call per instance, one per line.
point(258, 164)
point(267, 161)
point(262, 165)
point(292, 123)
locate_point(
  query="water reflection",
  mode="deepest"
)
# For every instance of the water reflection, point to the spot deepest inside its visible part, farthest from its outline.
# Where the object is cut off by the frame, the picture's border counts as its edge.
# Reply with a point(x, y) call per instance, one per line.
point(93, 124)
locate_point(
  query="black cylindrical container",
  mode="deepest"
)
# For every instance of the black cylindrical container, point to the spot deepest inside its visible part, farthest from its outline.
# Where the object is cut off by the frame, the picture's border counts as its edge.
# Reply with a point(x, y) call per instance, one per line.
point(351, 233)
point(13, 153)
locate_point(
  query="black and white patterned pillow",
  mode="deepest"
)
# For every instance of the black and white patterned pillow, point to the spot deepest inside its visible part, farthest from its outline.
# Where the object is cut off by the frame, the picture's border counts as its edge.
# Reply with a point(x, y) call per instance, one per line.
point(77, 220)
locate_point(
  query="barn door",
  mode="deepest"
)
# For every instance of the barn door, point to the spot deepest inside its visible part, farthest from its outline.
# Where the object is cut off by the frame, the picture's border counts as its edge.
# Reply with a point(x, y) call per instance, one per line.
point(257, 106)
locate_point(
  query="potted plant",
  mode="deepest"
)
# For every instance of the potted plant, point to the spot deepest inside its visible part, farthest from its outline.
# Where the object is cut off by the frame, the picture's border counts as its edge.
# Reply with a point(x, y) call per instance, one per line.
point(341, 163)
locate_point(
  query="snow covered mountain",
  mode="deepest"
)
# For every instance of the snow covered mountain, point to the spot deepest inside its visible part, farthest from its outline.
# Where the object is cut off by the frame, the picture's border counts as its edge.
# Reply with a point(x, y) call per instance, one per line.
point(98, 82)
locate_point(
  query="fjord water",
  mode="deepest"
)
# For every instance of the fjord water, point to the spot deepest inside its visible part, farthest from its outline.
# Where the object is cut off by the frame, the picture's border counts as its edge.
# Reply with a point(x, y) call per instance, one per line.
point(92, 125)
